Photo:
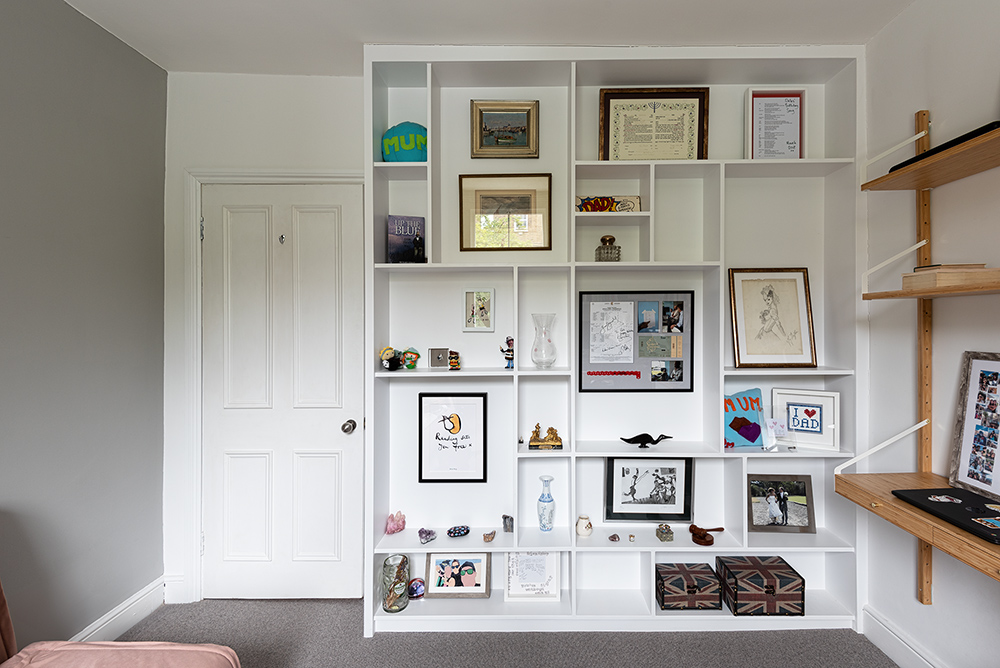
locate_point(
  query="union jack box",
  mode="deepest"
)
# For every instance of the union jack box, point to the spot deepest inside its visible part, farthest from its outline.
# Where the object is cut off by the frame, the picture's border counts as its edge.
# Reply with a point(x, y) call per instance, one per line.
point(687, 587)
point(761, 586)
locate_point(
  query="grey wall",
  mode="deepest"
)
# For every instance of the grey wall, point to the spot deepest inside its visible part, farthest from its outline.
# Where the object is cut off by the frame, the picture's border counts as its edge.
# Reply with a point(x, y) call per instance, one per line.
point(82, 136)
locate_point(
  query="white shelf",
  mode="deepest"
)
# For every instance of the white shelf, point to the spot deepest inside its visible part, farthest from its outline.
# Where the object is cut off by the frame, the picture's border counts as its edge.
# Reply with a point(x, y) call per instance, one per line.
point(815, 371)
point(408, 541)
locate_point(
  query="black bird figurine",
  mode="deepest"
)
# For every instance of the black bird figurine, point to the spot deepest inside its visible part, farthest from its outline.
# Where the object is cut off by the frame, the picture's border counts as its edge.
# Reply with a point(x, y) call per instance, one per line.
point(645, 440)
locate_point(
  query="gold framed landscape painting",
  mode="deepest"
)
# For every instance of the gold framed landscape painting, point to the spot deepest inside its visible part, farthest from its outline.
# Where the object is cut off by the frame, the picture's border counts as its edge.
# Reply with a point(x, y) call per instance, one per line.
point(504, 128)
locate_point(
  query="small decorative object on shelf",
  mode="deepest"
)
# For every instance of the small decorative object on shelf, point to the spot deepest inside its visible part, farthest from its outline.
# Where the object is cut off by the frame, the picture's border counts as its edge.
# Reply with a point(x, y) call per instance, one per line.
point(645, 440)
point(508, 524)
point(426, 535)
point(687, 587)
point(743, 420)
point(546, 505)
point(395, 523)
point(543, 351)
point(744, 579)
point(614, 538)
point(550, 442)
point(508, 352)
point(488, 537)
point(454, 360)
point(416, 588)
point(583, 526)
point(458, 531)
point(701, 536)
point(665, 533)
point(395, 579)
point(405, 142)
point(608, 251)
point(438, 357)
point(631, 538)
point(405, 239)
point(607, 203)
point(410, 357)
point(390, 360)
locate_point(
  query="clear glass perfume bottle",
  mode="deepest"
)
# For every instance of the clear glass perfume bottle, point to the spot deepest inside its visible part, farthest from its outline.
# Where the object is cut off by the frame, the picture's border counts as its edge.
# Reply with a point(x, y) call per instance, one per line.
point(607, 251)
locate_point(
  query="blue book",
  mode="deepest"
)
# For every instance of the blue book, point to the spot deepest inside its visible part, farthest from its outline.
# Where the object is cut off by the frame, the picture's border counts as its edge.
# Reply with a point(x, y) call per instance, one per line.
point(405, 241)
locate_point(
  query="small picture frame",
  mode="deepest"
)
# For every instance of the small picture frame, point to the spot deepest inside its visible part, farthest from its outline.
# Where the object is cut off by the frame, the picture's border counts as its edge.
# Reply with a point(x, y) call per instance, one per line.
point(504, 128)
point(780, 503)
point(532, 576)
point(648, 489)
point(775, 124)
point(977, 425)
point(505, 212)
point(457, 575)
point(452, 432)
point(478, 309)
point(811, 418)
point(677, 119)
point(772, 318)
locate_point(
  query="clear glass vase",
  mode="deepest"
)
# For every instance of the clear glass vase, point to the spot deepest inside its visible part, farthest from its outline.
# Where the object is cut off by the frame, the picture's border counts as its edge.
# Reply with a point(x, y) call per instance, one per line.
point(543, 351)
point(395, 578)
point(546, 505)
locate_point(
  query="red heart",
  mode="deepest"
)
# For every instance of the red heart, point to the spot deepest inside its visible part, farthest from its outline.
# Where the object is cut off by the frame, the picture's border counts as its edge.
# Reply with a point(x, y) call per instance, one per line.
point(809, 412)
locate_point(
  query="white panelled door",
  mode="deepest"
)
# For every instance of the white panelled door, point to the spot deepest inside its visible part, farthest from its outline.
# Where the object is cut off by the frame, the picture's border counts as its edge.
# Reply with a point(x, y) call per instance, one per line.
point(282, 312)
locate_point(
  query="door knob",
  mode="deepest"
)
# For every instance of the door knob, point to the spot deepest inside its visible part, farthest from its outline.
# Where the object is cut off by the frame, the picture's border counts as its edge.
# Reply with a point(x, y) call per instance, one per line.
point(348, 427)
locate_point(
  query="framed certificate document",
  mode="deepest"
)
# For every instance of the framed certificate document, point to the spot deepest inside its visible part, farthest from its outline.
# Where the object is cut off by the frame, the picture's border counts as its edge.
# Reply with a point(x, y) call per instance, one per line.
point(654, 124)
point(775, 124)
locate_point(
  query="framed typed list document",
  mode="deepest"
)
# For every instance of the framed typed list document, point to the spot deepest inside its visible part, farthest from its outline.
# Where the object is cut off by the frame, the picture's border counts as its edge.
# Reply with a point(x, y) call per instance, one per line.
point(775, 124)
point(654, 124)
point(637, 341)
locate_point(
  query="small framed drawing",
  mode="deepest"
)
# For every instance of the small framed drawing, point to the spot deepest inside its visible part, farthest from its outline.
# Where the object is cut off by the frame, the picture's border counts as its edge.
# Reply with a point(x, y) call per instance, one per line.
point(505, 212)
point(780, 503)
point(974, 442)
point(478, 314)
point(459, 575)
point(648, 489)
point(637, 341)
point(452, 437)
point(504, 128)
point(532, 576)
point(772, 318)
point(775, 123)
point(811, 417)
point(653, 124)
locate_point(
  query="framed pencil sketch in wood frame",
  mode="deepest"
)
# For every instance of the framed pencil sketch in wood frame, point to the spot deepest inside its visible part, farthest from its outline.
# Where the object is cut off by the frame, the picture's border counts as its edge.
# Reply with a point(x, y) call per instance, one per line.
point(780, 503)
point(772, 318)
point(974, 441)
point(505, 212)
point(653, 124)
point(504, 128)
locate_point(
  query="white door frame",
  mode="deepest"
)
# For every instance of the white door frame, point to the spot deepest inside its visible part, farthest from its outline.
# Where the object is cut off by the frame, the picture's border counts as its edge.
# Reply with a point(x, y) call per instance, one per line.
point(182, 491)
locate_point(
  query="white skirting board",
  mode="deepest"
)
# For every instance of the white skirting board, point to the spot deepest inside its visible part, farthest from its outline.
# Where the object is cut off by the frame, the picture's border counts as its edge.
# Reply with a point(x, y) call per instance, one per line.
point(125, 615)
point(896, 644)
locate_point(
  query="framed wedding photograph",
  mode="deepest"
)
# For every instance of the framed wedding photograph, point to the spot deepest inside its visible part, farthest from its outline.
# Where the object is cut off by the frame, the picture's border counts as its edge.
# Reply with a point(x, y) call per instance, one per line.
point(780, 503)
point(775, 123)
point(452, 437)
point(974, 442)
point(637, 341)
point(532, 576)
point(459, 575)
point(653, 124)
point(504, 128)
point(772, 318)
point(478, 313)
point(648, 489)
point(505, 212)
point(811, 418)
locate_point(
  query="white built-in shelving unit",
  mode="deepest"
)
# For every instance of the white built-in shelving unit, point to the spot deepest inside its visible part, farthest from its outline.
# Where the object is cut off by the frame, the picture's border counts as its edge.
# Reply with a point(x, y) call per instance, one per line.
point(697, 219)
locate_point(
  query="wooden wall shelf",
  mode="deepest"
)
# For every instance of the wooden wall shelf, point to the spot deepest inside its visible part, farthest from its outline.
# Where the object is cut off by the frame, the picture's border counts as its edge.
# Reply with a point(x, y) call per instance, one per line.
point(969, 158)
point(873, 491)
point(986, 288)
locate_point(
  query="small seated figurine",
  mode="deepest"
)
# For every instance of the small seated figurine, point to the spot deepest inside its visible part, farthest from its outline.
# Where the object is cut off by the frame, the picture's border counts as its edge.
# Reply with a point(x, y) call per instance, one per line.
point(410, 357)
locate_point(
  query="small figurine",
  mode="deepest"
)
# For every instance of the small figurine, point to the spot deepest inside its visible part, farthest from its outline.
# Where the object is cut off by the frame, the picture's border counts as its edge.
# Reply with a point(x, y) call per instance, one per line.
point(410, 357)
point(645, 440)
point(454, 360)
point(701, 536)
point(395, 523)
point(426, 535)
point(508, 524)
point(390, 360)
point(458, 531)
point(550, 442)
point(508, 352)
point(488, 537)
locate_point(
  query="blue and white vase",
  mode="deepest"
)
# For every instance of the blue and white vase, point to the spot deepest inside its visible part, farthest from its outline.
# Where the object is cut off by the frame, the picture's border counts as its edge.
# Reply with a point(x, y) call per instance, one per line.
point(546, 505)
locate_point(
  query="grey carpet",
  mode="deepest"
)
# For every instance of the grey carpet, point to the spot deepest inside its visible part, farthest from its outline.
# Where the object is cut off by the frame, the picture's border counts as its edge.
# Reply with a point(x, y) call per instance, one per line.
point(328, 633)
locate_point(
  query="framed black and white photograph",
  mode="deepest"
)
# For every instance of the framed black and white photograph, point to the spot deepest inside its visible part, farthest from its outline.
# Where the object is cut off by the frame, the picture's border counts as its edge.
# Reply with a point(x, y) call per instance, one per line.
point(780, 503)
point(811, 418)
point(478, 309)
point(504, 128)
point(452, 437)
point(532, 576)
point(648, 489)
point(637, 341)
point(974, 441)
point(457, 575)
point(505, 212)
point(772, 318)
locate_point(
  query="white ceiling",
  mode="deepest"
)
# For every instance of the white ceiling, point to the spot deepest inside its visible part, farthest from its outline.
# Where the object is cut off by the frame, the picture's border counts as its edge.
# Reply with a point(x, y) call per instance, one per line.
point(325, 37)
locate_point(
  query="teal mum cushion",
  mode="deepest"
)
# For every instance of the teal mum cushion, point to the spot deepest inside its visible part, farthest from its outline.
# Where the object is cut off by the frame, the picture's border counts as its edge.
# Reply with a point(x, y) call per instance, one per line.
point(405, 142)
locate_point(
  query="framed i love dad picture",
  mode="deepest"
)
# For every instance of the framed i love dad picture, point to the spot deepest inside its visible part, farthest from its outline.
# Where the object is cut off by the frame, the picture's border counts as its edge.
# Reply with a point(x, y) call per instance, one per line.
point(811, 418)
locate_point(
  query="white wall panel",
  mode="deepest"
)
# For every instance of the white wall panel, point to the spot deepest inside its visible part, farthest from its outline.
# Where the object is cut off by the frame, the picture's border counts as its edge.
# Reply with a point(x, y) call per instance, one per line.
point(247, 506)
point(316, 507)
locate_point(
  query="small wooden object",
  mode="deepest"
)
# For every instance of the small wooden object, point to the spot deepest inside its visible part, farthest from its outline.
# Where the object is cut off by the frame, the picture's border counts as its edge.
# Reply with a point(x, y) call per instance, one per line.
point(701, 536)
